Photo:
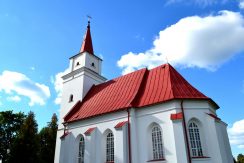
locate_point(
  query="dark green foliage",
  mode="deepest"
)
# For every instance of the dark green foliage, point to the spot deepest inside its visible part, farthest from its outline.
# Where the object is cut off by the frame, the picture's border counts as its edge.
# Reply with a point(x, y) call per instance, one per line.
point(240, 158)
point(9, 129)
point(25, 147)
point(19, 135)
point(48, 140)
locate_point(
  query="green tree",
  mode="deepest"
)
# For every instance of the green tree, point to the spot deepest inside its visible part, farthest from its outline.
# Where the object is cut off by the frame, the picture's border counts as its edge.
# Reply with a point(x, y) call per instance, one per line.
point(240, 158)
point(9, 129)
point(48, 140)
point(25, 147)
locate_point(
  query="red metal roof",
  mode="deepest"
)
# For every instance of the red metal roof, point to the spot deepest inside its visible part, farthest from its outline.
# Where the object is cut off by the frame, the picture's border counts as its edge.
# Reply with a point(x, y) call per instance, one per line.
point(89, 131)
point(120, 125)
point(137, 89)
point(87, 42)
point(108, 97)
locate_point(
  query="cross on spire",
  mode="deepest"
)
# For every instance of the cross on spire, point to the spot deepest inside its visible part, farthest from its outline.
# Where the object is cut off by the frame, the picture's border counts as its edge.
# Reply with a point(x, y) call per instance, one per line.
point(89, 18)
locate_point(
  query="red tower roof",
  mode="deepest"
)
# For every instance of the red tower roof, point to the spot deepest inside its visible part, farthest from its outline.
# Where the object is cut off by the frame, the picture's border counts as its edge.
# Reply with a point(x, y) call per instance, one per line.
point(87, 42)
point(137, 89)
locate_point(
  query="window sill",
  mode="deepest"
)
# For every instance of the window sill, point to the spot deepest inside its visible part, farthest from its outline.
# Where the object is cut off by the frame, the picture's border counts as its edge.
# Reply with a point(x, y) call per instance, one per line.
point(200, 158)
point(109, 162)
point(158, 160)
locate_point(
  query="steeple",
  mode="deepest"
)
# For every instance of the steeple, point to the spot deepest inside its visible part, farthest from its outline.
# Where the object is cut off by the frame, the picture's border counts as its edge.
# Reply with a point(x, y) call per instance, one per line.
point(87, 42)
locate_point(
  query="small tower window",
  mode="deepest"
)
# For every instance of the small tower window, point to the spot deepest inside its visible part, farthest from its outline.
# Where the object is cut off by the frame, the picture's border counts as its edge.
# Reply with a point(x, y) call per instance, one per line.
point(78, 63)
point(71, 98)
point(93, 64)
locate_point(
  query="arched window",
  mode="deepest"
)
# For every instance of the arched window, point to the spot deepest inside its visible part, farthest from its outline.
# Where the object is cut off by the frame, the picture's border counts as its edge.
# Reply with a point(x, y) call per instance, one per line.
point(195, 140)
point(157, 143)
point(71, 98)
point(81, 150)
point(110, 147)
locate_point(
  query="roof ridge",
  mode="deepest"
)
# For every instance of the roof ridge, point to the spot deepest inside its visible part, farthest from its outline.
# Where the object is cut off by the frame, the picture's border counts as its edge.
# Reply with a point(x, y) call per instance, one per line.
point(135, 100)
point(170, 78)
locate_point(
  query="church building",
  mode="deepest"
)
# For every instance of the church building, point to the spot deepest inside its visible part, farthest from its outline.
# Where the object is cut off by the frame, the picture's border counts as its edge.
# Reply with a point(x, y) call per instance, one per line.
point(147, 116)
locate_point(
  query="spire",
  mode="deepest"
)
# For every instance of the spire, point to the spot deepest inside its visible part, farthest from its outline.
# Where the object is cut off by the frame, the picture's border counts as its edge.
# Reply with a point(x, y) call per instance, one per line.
point(87, 42)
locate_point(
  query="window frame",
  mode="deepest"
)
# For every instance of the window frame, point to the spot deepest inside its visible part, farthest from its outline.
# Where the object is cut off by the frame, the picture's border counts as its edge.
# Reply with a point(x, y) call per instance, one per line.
point(109, 151)
point(195, 139)
point(81, 151)
point(157, 145)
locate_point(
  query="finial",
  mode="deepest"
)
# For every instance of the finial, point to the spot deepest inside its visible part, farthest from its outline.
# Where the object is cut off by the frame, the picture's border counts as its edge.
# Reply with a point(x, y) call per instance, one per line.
point(89, 18)
point(166, 58)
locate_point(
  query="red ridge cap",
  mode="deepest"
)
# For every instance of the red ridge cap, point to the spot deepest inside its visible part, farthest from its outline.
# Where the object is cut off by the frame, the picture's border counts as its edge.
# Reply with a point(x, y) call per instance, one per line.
point(213, 116)
point(64, 135)
point(89, 131)
point(176, 116)
point(120, 125)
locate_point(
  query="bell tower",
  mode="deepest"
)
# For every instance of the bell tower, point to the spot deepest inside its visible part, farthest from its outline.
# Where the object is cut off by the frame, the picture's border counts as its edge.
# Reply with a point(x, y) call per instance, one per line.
point(84, 71)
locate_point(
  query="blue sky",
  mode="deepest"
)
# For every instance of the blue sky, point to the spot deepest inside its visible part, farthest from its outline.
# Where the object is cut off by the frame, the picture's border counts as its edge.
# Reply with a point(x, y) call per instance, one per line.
point(203, 39)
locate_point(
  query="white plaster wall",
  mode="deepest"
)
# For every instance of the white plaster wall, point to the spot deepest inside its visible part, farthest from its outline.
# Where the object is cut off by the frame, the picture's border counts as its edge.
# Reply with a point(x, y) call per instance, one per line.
point(223, 139)
point(79, 58)
point(74, 86)
point(77, 84)
point(180, 143)
point(213, 135)
point(58, 149)
point(89, 59)
point(95, 143)
point(145, 117)
point(209, 132)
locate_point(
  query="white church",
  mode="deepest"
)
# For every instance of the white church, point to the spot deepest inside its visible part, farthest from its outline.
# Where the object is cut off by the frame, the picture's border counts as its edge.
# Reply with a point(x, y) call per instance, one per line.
point(147, 116)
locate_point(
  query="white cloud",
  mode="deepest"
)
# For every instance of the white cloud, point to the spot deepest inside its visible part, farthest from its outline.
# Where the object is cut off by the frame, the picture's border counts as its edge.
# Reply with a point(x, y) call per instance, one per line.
point(58, 85)
point(236, 134)
point(202, 3)
point(14, 98)
point(241, 4)
point(204, 42)
point(241, 146)
point(14, 82)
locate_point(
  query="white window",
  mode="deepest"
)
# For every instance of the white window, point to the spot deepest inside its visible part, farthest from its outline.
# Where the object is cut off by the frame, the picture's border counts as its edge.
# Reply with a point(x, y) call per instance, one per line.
point(195, 140)
point(157, 143)
point(110, 148)
point(81, 150)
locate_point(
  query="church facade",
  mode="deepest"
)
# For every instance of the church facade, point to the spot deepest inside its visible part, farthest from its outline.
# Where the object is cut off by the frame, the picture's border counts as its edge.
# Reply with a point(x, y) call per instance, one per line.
point(145, 116)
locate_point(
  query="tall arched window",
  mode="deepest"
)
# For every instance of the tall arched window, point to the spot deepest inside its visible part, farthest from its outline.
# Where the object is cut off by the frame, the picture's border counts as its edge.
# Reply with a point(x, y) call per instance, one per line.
point(81, 150)
point(195, 140)
point(157, 143)
point(110, 147)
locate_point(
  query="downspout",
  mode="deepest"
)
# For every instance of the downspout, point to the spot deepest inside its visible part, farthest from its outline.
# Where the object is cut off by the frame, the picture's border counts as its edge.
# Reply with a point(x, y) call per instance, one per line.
point(185, 133)
point(64, 124)
point(129, 138)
